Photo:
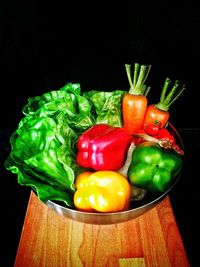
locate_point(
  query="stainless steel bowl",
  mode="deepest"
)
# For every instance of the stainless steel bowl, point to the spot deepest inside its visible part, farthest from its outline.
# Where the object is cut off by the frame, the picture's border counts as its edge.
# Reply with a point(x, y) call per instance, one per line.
point(137, 208)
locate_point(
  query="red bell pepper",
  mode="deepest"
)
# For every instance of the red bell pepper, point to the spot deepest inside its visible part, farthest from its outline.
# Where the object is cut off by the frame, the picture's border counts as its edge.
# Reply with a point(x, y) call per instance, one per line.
point(103, 147)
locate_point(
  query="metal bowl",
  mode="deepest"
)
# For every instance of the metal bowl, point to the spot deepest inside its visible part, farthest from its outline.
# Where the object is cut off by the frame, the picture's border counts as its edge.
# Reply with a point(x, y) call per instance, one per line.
point(136, 209)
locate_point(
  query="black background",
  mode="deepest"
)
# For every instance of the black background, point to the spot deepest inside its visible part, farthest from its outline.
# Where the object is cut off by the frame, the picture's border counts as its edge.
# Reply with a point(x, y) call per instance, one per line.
point(44, 45)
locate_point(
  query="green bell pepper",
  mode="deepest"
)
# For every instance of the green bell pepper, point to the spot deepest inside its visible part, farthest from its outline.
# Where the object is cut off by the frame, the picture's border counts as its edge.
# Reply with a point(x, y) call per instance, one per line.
point(153, 168)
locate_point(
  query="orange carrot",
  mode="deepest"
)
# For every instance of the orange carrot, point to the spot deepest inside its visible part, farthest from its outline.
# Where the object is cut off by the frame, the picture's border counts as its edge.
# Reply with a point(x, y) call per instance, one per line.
point(134, 102)
point(155, 116)
point(159, 113)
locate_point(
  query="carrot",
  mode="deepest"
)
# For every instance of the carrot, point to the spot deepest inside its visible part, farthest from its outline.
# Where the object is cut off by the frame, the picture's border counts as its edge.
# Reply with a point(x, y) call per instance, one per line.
point(134, 102)
point(159, 113)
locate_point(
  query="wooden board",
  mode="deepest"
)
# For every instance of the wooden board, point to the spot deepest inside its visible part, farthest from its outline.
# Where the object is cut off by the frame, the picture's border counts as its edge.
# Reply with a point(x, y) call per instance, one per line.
point(49, 239)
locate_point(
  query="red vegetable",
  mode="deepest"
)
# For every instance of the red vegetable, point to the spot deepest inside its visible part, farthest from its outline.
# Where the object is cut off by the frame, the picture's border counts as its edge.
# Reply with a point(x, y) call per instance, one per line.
point(134, 102)
point(159, 113)
point(165, 134)
point(178, 149)
point(138, 140)
point(161, 136)
point(152, 129)
point(103, 147)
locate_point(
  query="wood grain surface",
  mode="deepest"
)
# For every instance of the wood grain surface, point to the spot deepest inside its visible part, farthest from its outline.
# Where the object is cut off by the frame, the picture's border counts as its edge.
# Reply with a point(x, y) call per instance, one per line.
point(49, 239)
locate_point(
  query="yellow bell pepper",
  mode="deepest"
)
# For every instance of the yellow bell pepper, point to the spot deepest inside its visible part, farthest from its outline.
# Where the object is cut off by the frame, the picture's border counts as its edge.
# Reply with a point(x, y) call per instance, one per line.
point(102, 191)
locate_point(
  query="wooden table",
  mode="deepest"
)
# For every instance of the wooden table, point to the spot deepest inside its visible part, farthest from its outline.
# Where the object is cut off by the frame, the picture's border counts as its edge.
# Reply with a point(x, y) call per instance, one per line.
point(49, 239)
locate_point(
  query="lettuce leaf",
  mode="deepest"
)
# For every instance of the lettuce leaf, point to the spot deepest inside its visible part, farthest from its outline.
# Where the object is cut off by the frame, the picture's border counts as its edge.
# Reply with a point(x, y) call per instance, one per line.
point(107, 106)
point(43, 147)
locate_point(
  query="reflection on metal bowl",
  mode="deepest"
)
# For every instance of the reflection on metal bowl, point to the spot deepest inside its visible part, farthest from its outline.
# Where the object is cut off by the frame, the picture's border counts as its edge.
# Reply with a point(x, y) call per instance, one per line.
point(136, 209)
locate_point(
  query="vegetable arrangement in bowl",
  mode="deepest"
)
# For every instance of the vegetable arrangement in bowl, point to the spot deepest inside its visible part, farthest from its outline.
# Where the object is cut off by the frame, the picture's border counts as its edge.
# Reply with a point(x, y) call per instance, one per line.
point(97, 151)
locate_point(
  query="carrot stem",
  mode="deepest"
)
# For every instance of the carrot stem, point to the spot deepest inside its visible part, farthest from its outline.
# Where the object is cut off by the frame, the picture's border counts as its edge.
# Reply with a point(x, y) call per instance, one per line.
point(171, 93)
point(128, 72)
point(139, 78)
point(164, 90)
point(136, 71)
point(177, 95)
point(146, 91)
point(174, 93)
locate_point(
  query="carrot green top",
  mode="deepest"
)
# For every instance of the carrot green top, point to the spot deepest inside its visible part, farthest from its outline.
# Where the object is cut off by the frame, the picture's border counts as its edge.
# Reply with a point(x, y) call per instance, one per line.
point(137, 83)
point(174, 93)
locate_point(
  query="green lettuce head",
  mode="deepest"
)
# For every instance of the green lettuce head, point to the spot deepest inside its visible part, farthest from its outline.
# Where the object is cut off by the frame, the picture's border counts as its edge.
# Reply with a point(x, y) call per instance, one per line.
point(43, 148)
